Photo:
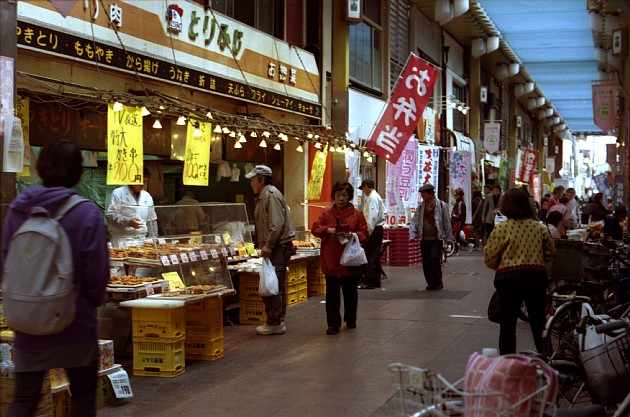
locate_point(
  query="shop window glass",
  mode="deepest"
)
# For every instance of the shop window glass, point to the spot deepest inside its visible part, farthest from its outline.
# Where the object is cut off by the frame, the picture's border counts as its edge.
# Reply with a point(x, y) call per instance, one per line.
point(366, 55)
point(259, 14)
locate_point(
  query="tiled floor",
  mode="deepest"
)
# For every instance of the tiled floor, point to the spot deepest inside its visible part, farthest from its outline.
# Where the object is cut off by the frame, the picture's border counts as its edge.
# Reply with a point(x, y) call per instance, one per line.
point(307, 373)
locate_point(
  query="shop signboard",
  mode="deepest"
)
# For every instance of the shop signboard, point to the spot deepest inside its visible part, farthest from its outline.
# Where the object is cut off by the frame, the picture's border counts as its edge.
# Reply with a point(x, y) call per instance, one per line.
point(315, 182)
point(402, 186)
point(528, 165)
point(125, 152)
point(504, 173)
point(491, 136)
point(404, 109)
point(460, 170)
point(428, 165)
point(197, 155)
point(603, 186)
point(605, 105)
point(536, 187)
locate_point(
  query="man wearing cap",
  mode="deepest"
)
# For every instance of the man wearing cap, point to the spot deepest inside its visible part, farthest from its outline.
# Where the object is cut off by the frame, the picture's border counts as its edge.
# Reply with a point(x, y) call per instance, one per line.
point(275, 234)
point(374, 211)
point(130, 213)
point(431, 223)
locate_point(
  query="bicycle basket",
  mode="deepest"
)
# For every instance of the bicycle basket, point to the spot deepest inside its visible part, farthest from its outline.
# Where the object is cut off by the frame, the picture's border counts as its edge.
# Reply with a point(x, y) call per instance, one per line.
point(606, 363)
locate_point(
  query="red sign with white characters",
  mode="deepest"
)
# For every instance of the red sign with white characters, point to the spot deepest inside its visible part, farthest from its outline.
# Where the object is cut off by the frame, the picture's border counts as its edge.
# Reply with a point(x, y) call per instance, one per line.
point(404, 109)
point(528, 165)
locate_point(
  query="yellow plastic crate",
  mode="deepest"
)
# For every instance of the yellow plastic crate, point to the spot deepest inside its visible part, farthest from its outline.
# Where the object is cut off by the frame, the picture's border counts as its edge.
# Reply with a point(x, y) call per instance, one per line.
point(204, 350)
point(316, 289)
point(302, 294)
point(207, 313)
point(297, 272)
point(293, 295)
point(163, 359)
point(249, 286)
point(204, 333)
point(158, 323)
point(252, 312)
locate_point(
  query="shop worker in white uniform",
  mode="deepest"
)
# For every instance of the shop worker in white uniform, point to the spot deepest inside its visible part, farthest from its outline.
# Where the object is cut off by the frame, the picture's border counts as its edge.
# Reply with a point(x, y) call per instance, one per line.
point(374, 211)
point(130, 213)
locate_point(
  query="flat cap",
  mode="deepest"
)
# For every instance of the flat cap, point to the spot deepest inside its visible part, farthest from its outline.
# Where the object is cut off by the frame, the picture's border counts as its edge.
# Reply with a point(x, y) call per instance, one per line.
point(427, 187)
point(263, 170)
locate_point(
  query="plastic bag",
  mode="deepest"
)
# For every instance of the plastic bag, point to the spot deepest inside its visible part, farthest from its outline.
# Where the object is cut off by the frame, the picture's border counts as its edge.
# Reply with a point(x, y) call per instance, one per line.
point(353, 254)
point(268, 285)
point(499, 218)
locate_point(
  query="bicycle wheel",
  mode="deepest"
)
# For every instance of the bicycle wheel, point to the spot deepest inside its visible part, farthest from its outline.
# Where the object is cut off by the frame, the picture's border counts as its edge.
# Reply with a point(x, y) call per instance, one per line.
point(559, 340)
point(572, 388)
point(450, 248)
point(551, 304)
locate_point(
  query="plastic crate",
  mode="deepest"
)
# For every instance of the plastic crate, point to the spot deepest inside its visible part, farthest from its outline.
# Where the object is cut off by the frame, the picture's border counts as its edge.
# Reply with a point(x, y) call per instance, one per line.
point(204, 350)
point(252, 312)
point(158, 323)
point(293, 295)
point(316, 289)
point(249, 286)
point(162, 359)
point(302, 294)
point(207, 313)
point(204, 333)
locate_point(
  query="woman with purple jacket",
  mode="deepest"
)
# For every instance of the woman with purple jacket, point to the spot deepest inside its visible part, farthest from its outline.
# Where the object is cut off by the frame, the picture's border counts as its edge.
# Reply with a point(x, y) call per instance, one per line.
point(76, 347)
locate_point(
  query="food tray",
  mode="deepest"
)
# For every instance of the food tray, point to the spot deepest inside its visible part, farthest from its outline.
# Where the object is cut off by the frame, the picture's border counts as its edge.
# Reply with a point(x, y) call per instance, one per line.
point(183, 297)
point(143, 262)
point(135, 286)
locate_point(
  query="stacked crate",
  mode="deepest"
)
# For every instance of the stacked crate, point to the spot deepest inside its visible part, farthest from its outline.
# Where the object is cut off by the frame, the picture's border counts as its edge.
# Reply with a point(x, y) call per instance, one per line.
point(401, 251)
point(204, 330)
point(158, 341)
point(251, 307)
point(297, 285)
point(316, 281)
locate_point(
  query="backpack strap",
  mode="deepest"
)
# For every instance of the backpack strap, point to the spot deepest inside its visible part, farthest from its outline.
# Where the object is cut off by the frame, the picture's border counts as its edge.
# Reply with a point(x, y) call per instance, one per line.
point(68, 205)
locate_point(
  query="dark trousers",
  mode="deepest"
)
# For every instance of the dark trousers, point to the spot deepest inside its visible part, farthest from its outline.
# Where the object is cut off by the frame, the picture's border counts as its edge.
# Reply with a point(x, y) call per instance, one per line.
point(333, 299)
point(514, 287)
point(372, 274)
point(276, 305)
point(480, 235)
point(431, 253)
point(83, 383)
point(489, 228)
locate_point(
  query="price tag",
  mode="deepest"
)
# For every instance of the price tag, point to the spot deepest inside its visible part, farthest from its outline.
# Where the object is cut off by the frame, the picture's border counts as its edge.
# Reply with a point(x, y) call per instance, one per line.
point(165, 286)
point(184, 258)
point(204, 255)
point(249, 247)
point(174, 259)
point(214, 253)
point(165, 260)
point(193, 257)
point(232, 251)
point(162, 241)
point(121, 384)
point(149, 287)
point(174, 280)
point(242, 252)
point(226, 238)
point(224, 252)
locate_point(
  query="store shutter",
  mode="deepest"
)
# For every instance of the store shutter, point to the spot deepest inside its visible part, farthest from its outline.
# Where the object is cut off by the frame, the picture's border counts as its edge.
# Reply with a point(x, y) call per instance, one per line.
point(398, 38)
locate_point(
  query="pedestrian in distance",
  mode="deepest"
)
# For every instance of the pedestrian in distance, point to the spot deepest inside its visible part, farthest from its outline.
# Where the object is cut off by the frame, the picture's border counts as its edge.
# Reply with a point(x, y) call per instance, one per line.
point(613, 228)
point(275, 234)
point(518, 250)
point(597, 210)
point(374, 212)
point(553, 221)
point(74, 348)
point(458, 221)
point(431, 223)
point(490, 208)
point(477, 219)
point(335, 227)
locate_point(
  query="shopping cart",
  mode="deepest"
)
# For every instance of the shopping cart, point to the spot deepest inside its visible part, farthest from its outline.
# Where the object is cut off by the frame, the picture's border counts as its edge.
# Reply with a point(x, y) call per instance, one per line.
point(422, 392)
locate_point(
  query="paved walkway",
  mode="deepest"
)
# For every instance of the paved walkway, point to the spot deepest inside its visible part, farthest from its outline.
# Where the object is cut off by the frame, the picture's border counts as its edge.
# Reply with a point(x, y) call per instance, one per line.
point(307, 373)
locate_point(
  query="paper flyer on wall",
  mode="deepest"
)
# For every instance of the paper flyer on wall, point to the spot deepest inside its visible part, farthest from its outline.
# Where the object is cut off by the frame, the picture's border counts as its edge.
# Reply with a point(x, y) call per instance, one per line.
point(13, 144)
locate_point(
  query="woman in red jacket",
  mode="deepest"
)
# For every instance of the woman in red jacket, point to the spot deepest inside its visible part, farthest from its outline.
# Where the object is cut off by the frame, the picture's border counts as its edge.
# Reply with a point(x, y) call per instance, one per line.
point(335, 223)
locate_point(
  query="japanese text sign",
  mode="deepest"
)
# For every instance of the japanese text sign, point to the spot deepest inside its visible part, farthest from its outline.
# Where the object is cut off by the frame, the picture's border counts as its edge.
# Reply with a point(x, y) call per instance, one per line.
point(529, 164)
point(404, 110)
point(491, 136)
point(197, 159)
point(605, 105)
point(314, 189)
point(460, 177)
point(428, 165)
point(402, 185)
point(124, 146)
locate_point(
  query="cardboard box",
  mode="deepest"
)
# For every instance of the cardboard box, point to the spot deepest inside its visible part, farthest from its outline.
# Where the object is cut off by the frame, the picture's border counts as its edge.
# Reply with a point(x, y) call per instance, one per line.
point(106, 354)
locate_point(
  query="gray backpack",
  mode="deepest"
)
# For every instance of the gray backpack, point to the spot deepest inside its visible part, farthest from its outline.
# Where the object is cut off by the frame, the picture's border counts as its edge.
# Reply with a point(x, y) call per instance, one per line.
point(39, 292)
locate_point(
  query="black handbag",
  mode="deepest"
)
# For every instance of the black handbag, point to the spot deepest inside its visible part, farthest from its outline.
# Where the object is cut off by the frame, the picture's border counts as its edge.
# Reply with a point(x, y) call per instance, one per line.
point(494, 313)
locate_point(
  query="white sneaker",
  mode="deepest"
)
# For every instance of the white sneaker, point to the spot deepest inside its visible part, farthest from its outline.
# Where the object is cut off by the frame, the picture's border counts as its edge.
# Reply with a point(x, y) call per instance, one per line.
point(470, 247)
point(265, 329)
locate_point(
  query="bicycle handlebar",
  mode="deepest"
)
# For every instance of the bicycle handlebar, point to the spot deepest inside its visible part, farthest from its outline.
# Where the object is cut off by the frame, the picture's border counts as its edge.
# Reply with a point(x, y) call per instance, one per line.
point(613, 325)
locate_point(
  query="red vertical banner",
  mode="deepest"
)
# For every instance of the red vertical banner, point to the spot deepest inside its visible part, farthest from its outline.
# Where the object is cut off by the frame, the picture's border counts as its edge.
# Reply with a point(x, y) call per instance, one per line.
point(404, 109)
point(605, 105)
point(529, 164)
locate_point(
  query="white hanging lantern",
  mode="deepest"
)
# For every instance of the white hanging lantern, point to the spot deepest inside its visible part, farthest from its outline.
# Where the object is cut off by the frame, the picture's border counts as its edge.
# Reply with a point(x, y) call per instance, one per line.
point(529, 87)
point(549, 112)
point(519, 89)
point(460, 7)
point(492, 44)
point(531, 103)
point(478, 47)
point(502, 72)
point(540, 101)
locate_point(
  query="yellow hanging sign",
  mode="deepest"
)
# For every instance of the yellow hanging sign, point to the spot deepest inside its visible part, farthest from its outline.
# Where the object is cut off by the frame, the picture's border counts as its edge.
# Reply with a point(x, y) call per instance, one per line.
point(174, 280)
point(125, 153)
point(197, 156)
point(22, 111)
point(314, 190)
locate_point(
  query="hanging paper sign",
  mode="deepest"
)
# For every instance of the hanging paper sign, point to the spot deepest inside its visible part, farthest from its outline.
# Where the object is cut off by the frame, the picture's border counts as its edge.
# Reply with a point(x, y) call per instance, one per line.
point(404, 109)
point(428, 165)
point(491, 136)
point(120, 384)
point(536, 187)
point(602, 184)
point(314, 190)
point(460, 169)
point(504, 174)
point(529, 164)
point(124, 146)
point(174, 280)
point(402, 183)
point(605, 105)
point(22, 111)
point(13, 157)
point(197, 159)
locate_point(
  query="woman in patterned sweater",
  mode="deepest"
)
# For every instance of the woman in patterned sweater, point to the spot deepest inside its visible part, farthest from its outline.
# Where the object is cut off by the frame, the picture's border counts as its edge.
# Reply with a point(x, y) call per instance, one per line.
point(518, 250)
